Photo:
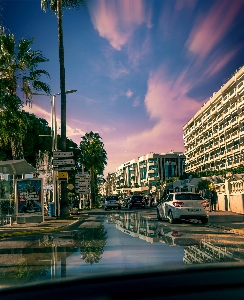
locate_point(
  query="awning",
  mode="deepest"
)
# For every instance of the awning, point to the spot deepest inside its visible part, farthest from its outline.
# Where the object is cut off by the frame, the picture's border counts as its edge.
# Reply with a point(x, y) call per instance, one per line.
point(16, 167)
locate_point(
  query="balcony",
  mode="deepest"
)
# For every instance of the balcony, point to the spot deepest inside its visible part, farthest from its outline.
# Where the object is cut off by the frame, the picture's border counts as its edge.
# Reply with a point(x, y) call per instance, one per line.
point(232, 94)
point(240, 87)
point(225, 99)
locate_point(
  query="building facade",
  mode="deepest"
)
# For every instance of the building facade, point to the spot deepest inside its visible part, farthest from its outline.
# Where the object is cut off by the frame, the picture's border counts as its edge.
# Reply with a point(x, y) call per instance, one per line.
point(214, 137)
point(148, 170)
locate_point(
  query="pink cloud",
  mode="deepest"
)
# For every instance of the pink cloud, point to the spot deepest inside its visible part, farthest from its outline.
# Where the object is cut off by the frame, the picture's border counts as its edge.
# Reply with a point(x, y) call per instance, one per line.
point(209, 30)
point(168, 104)
point(220, 62)
point(116, 20)
point(129, 93)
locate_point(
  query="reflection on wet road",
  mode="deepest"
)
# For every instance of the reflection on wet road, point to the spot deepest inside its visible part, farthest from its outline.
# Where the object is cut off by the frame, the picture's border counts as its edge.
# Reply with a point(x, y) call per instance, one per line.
point(118, 242)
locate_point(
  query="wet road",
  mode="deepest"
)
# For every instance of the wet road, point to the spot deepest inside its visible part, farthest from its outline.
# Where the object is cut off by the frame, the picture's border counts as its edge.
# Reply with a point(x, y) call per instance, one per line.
point(118, 241)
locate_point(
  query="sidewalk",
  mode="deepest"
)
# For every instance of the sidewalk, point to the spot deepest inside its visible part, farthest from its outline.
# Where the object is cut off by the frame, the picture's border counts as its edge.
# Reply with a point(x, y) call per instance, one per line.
point(50, 224)
point(226, 220)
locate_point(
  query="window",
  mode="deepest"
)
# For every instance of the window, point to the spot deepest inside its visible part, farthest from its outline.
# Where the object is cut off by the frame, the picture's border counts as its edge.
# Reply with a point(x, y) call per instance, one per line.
point(188, 197)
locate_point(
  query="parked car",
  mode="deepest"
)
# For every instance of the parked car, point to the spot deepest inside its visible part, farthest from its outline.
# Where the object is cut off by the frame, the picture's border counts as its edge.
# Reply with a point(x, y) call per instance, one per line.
point(177, 206)
point(136, 201)
point(112, 202)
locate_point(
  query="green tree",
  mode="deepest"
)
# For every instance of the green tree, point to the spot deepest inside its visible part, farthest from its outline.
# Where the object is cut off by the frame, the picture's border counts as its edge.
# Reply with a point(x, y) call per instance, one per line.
point(57, 6)
point(94, 158)
point(19, 73)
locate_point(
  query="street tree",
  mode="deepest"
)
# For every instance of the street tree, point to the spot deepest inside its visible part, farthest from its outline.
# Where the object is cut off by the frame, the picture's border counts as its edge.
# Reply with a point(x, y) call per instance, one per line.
point(18, 73)
point(57, 7)
point(93, 157)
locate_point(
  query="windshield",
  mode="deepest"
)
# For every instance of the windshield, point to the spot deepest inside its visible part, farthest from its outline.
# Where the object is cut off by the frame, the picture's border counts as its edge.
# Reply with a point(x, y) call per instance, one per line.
point(121, 137)
point(188, 197)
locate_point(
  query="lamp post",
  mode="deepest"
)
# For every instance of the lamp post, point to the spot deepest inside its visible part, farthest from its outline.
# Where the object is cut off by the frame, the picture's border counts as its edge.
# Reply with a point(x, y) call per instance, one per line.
point(55, 147)
point(64, 199)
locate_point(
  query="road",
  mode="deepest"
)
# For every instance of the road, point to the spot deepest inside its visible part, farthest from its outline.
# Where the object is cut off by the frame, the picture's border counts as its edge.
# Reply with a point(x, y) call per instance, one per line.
point(117, 241)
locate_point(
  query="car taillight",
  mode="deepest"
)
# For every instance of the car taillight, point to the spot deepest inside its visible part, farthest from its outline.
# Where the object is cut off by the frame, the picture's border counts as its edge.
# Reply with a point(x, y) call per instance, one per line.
point(204, 203)
point(178, 204)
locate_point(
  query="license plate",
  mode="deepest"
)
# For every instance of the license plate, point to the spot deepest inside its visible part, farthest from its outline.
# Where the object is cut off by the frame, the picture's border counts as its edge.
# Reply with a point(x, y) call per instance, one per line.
point(193, 210)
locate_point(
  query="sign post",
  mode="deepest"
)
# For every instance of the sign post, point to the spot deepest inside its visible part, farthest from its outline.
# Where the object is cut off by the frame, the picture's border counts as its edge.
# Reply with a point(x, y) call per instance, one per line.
point(62, 162)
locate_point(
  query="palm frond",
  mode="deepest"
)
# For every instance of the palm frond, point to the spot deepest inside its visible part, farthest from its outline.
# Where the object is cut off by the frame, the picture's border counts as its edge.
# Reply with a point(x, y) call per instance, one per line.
point(41, 86)
point(36, 74)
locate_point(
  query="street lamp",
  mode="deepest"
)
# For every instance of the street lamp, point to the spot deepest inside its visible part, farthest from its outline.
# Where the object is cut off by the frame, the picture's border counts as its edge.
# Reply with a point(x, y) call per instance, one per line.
point(63, 146)
point(54, 144)
point(54, 120)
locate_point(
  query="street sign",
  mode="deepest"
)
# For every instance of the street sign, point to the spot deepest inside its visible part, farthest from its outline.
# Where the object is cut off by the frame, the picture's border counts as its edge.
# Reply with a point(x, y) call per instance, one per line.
point(77, 185)
point(82, 191)
point(82, 176)
point(66, 168)
point(59, 154)
point(61, 162)
point(70, 186)
point(63, 175)
point(82, 180)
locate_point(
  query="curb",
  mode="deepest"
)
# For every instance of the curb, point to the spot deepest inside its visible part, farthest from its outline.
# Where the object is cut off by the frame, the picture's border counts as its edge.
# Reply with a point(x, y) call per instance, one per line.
point(229, 230)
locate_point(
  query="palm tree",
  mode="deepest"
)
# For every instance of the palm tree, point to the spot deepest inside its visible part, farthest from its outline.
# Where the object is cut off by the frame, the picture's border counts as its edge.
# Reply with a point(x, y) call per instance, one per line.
point(18, 73)
point(57, 6)
point(93, 157)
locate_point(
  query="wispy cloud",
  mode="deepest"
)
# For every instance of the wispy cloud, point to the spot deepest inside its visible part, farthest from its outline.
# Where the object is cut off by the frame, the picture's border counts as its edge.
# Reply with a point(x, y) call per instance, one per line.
point(129, 93)
point(171, 108)
point(116, 20)
point(210, 29)
point(219, 61)
point(108, 129)
point(180, 4)
point(136, 102)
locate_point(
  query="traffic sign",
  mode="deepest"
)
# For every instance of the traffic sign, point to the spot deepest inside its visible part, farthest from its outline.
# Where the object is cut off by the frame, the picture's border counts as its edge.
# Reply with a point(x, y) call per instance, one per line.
point(61, 162)
point(65, 168)
point(82, 191)
point(62, 175)
point(59, 154)
point(77, 185)
point(82, 176)
point(70, 186)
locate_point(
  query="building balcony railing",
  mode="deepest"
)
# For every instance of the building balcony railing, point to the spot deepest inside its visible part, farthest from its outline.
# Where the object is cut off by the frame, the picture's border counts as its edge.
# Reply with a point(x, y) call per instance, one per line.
point(240, 90)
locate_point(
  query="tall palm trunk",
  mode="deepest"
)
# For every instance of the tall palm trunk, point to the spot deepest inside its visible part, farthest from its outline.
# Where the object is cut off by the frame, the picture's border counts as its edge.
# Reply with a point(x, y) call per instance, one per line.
point(64, 204)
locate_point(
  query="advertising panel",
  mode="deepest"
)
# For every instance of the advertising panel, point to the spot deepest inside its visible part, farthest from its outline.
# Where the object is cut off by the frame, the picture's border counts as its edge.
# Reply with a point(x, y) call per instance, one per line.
point(29, 197)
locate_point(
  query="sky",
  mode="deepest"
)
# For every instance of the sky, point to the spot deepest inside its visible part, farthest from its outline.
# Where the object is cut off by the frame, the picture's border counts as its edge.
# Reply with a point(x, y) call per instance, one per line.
point(141, 68)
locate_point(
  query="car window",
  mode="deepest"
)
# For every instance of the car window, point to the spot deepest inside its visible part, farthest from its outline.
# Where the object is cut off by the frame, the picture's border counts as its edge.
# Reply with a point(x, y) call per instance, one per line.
point(137, 197)
point(112, 198)
point(188, 197)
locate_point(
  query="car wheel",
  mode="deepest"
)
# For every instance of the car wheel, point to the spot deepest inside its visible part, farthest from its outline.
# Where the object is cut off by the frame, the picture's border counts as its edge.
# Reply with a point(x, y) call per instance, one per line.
point(204, 220)
point(158, 216)
point(172, 220)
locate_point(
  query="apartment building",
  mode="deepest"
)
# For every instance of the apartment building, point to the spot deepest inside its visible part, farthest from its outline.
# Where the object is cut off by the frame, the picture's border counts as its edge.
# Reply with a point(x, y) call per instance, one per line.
point(147, 170)
point(214, 137)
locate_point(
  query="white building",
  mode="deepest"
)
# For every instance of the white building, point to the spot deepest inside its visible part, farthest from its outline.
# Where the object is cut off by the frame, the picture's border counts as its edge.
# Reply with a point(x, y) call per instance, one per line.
point(214, 137)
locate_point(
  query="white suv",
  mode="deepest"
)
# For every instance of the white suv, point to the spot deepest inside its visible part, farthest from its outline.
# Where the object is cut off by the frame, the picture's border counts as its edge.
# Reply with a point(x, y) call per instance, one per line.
point(176, 206)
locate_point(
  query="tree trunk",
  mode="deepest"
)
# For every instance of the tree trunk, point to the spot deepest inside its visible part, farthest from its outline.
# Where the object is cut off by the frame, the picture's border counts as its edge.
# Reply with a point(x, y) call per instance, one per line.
point(64, 204)
point(17, 148)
